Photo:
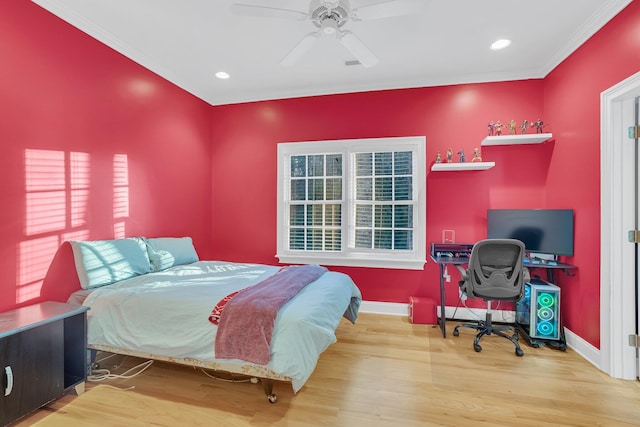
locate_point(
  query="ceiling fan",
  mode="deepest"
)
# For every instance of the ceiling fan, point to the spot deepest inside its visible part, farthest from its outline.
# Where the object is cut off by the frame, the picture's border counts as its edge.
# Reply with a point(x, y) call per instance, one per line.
point(329, 16)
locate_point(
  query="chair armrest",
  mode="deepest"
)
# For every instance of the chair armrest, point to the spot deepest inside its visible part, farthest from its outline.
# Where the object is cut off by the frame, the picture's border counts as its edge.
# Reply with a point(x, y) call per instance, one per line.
point(464, 273)
point(464, 283)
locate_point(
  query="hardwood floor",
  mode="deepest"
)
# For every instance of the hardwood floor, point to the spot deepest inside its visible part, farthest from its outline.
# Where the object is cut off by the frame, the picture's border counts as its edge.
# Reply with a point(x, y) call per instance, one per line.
point(383, 371)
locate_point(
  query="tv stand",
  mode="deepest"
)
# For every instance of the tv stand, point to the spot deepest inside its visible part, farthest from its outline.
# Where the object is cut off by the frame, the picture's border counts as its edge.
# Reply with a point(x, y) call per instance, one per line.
point(43, 353)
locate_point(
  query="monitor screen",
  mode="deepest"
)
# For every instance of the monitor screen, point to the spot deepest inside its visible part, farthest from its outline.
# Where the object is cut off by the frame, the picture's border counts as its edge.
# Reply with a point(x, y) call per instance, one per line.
point(545, 231)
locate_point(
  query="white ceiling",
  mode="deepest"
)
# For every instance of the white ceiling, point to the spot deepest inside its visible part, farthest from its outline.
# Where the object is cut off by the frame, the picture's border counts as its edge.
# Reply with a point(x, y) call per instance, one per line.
point(187, 41)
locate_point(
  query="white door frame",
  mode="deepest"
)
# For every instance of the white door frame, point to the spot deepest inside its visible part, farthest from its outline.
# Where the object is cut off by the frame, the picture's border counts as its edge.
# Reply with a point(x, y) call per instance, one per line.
point(617, 255)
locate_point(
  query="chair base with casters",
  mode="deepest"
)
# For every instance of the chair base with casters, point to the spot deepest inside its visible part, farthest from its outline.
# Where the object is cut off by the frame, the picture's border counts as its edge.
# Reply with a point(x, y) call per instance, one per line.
point(486, 327)
point(495, 273)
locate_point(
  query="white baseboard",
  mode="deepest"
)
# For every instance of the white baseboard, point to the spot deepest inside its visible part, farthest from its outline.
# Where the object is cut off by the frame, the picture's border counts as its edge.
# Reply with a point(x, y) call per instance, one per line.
point(464, 313)
point(461, 313)
point(590, 353)
point(390, 308)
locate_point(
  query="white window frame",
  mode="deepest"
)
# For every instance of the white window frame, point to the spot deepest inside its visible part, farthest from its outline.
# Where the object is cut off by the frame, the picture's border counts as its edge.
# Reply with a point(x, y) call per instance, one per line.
point(349, 256)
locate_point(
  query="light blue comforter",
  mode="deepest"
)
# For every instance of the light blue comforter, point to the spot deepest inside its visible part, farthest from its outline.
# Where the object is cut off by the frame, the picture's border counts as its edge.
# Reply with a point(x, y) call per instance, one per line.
point(166, 313)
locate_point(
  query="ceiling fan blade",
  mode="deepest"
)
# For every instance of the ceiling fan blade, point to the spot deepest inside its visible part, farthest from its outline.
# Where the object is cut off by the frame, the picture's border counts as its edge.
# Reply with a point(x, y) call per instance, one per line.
point(358, 49)
point(267, 12)
point(388, 9)
point(300, 49)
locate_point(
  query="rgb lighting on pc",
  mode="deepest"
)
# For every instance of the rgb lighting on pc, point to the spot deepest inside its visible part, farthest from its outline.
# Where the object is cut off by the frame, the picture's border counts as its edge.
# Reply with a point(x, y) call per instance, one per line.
point(546, 313)
point(538, 312)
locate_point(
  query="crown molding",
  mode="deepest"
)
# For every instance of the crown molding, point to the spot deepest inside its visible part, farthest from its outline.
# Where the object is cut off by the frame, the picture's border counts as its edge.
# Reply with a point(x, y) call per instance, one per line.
point(608, 10)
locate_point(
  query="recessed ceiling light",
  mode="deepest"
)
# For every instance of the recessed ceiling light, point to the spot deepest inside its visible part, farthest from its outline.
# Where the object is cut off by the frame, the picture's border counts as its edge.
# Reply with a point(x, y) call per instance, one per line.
point(500, 44)
point(222, 75)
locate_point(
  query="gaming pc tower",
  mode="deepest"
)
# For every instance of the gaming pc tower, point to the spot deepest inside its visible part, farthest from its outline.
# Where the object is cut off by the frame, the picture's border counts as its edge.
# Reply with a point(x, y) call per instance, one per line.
point(538, 312)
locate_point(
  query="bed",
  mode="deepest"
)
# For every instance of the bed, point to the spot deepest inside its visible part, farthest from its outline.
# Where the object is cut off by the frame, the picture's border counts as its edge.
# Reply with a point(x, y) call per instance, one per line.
point(153, 298)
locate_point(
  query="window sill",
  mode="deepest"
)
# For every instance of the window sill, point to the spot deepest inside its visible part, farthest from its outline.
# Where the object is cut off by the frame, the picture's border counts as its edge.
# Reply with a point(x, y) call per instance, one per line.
point(352, 262)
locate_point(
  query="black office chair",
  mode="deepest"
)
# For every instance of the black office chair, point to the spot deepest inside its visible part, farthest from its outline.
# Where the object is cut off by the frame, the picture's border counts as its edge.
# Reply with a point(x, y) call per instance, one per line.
point(495, 273)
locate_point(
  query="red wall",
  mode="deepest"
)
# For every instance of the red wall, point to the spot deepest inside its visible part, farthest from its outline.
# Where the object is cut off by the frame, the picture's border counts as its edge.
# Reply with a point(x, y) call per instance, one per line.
point(558, 174)
point(244, 153)
point(572, 105)
point(62, 92)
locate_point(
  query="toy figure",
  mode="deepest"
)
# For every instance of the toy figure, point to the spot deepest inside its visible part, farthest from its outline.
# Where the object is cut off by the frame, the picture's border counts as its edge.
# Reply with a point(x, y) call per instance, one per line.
point(449, 155)
point(524, 125)
point(492, 127)
point(512, 127)
point(498, 127)
point(438, 158)
point(476, 156)
point(539, 124)
point(461, 153)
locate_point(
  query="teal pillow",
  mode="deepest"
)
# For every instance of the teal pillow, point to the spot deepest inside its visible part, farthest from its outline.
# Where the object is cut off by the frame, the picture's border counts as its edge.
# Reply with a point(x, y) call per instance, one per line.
point(103, 262)
point(165, 252)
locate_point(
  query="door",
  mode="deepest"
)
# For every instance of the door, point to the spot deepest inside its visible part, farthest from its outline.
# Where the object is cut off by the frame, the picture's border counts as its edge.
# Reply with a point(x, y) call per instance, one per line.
point(618, 296)
point(637, 226)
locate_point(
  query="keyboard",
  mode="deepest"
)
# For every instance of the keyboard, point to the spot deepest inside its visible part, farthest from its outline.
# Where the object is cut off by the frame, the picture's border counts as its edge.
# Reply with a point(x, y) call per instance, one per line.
point(535, 261)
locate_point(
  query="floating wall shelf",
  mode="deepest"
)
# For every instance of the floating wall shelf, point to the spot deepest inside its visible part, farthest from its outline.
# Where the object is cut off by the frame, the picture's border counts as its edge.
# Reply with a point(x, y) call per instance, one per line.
point(532, 138)
point(469, 166)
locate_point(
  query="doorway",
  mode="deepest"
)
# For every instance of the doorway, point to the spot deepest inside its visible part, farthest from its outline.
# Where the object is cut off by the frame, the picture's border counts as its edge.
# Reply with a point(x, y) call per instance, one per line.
point(637, 300)
point(635, 134)
point(618, 257)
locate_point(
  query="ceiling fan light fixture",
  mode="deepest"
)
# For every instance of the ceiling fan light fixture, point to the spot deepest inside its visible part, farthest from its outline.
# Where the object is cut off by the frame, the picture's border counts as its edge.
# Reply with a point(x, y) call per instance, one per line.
point(329, 26)
point(500, 44)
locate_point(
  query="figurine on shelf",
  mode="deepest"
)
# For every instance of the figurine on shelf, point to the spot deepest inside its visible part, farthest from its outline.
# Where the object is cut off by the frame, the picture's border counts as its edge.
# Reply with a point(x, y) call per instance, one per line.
point(512, 127)
point(492, 128)
point(438, 158)
point(449, 155)
point(461, 154)
point(498, 127)
point(476, 156)
point(524, 125)
point(538, 124)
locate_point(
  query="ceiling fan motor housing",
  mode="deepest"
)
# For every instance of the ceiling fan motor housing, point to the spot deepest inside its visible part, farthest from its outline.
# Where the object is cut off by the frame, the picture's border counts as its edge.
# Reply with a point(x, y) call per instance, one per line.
point(329, 15)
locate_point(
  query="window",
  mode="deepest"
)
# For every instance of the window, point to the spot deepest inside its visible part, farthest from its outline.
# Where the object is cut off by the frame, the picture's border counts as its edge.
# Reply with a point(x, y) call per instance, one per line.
point(353, 202)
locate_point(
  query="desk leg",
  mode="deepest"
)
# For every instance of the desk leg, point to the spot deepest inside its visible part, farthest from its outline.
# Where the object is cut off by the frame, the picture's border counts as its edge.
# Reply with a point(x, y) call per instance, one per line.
point(551, 276)
point(442, 319)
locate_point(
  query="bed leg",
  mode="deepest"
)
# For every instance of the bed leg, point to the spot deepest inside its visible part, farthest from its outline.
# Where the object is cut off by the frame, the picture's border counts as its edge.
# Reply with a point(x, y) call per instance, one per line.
point(268, 390)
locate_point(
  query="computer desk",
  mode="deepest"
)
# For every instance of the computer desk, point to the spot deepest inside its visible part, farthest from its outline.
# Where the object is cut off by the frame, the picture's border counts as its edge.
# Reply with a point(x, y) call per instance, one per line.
point(549, 267)
point(444, 261)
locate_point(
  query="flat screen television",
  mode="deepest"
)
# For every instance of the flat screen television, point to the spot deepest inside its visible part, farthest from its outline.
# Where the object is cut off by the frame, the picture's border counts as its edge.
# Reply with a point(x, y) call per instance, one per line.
point(543, 231)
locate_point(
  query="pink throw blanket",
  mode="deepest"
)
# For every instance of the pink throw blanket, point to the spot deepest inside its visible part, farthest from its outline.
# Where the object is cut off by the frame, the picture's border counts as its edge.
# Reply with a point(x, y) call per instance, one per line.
point(246, 324)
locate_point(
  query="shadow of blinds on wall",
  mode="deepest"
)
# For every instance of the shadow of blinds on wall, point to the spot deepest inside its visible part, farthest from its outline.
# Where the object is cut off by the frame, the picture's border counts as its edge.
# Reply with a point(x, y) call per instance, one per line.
point(56, 189)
